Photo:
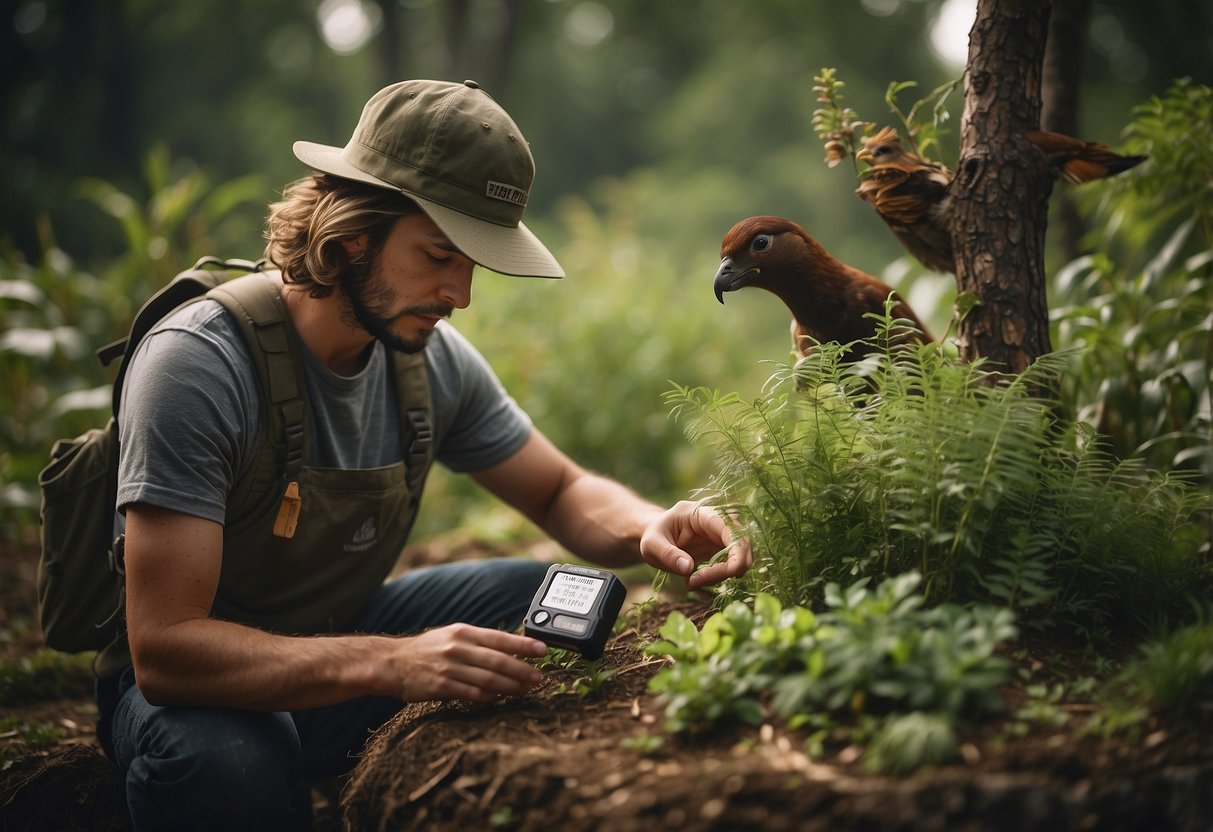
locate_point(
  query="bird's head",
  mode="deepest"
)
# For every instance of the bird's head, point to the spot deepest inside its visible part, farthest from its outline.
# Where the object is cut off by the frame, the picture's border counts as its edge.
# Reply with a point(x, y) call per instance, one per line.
point(755, 252)
point(882, 148)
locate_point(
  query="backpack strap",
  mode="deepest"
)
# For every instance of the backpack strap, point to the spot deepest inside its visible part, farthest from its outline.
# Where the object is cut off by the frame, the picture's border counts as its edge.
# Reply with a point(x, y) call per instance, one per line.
point(257, 307)
point(186, 286)
point(256, 304)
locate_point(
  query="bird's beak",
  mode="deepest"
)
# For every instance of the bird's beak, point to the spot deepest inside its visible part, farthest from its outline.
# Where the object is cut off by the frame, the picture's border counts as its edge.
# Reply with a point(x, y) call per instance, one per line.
point(728, 279)
point(863, 155)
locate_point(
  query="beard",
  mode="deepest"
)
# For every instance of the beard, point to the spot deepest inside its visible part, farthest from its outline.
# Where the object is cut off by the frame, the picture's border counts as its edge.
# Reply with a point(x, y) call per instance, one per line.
point(370, 305)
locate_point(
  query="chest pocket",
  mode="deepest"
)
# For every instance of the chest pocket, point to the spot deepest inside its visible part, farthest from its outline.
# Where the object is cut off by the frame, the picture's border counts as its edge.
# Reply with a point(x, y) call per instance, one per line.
point(352, 527)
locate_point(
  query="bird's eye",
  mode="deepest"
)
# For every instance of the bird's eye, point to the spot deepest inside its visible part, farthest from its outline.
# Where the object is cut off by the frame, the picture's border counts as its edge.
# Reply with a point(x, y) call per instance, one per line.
point(761, 243)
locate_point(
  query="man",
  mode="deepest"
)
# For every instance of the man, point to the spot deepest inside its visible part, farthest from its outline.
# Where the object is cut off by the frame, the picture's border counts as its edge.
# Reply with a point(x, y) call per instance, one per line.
point(263, 643)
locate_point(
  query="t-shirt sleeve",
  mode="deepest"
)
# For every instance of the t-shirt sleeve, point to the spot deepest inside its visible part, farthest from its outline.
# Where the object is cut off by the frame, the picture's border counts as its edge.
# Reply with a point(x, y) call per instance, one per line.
point(188, 416)
point(477, 423)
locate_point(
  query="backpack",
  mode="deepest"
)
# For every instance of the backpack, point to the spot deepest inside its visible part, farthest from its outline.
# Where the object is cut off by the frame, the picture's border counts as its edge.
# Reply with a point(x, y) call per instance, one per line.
point(81, 580)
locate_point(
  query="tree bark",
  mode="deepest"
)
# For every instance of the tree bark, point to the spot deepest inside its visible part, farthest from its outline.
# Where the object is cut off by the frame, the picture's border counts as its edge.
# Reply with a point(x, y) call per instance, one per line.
point(1001, 204)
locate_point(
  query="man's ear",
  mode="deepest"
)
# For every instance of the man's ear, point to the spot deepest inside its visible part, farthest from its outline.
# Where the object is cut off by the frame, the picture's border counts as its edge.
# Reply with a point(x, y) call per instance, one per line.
point(354, 246)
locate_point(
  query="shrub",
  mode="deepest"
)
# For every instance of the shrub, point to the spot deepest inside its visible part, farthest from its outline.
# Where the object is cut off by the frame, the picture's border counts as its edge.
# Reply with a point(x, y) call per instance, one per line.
point(45, 674)
point(56, 313)
point(1174, 674)
point(916, 460)
point(1139, 310)
point(875, 662)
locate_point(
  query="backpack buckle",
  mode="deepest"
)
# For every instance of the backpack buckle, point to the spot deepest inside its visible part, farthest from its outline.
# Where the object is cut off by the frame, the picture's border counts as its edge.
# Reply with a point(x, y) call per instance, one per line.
point(420, 446)
point(117, 556)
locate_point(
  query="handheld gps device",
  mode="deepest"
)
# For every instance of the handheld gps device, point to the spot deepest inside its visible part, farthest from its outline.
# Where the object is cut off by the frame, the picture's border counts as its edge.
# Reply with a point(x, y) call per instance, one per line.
point(575, 608)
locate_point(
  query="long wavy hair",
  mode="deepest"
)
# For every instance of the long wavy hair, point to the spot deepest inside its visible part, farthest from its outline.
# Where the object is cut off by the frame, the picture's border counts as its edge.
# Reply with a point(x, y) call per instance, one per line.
point(305, 229)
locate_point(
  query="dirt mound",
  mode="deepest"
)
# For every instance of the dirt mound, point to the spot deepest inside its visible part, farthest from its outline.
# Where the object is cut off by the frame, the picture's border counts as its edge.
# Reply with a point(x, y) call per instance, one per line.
point(559, 760)
point(71, 787)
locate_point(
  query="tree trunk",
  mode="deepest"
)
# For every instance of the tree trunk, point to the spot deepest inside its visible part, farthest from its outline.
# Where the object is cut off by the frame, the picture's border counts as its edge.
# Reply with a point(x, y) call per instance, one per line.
point(501, 55)
point(455, 26)
point(391, 43)
point(1060, 106)
point(1001, 204)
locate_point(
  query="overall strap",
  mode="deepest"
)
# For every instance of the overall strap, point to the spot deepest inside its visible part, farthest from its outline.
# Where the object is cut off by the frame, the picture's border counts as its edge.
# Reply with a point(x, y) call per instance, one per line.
point(416, 417)
point(258, 308)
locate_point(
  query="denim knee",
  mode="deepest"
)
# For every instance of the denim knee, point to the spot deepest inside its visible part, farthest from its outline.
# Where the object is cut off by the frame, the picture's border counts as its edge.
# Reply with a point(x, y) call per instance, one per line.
point(491, 593)
point(210, 768)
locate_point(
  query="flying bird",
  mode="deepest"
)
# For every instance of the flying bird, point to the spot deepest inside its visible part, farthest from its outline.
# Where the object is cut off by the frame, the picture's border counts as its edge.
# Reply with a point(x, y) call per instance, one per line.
point(911, 193)
point(828, 299)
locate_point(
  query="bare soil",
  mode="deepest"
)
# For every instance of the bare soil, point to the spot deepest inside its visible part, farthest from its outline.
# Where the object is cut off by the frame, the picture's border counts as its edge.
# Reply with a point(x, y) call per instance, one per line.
point(562, 760)
point(559, 760)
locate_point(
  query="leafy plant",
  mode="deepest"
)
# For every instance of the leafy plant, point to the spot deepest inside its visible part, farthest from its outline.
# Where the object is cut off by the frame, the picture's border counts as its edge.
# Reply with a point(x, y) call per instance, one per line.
point(842, 131)
point(907, 742)
point(922, 136)
point(556, 658)
point(886, 652)
point(180, 216)
point(504, 817)
point(586, 678)
point(646, 744)
point(835, 123)
point(916, 460)
point(591, 681)
point(55, 313)
point(1044, 705)
point(1139, 310)
point(1175, 130)
point(871, 659)
point(32, 736)
point(45, 674)
point(51, 313)
point(1174, 674)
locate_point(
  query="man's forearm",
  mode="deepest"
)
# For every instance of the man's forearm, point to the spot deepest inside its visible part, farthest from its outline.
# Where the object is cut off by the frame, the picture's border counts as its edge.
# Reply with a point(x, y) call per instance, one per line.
point(222, 664)
point(600, 520)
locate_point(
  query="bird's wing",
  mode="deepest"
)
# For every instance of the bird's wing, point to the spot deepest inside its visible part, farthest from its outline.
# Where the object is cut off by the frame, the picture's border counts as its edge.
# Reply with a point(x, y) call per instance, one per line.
point(912, 201)
point(1077, 160)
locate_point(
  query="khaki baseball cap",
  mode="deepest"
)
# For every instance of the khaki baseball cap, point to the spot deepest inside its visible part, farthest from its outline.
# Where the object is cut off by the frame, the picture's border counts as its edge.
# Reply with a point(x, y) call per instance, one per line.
point(454, 151)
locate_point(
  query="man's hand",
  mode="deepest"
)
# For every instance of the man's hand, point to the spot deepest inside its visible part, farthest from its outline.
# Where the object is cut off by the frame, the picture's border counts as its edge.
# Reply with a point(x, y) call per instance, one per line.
point(689, 533)
point(461, 661)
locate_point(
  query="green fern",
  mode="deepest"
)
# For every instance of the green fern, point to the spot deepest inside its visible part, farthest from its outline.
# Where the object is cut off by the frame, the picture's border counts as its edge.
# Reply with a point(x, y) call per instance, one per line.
point(914, 460)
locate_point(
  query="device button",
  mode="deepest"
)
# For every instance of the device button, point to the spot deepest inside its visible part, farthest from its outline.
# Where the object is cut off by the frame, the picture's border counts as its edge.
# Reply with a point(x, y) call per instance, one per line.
point(570, 624)
point(540, 617)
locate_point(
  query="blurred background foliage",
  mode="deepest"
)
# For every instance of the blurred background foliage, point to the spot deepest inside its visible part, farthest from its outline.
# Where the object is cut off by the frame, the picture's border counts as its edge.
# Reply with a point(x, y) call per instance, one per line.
point(139, 135)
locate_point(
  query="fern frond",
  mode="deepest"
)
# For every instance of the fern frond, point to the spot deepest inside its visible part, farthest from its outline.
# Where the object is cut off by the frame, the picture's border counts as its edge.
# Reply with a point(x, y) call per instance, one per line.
point(916, 460)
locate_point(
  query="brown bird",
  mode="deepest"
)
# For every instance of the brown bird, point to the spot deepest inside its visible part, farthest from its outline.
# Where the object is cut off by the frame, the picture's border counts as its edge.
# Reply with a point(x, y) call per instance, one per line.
point(1078, 161)
point(828, 298)
point(910, 193)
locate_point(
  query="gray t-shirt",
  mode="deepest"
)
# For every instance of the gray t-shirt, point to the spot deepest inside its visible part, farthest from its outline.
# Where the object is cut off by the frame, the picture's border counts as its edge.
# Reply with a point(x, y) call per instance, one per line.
point(190, 416)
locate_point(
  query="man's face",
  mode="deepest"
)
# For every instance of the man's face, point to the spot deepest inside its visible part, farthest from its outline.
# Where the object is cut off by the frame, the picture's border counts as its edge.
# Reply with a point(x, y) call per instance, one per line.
point(417, 278)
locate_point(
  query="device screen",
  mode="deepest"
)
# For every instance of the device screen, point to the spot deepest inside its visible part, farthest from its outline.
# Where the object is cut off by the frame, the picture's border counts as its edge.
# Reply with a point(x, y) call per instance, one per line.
point(572, 593)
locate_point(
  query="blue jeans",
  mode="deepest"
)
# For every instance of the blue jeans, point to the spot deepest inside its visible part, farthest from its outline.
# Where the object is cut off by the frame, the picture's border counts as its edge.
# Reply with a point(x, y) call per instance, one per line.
point(215, 768)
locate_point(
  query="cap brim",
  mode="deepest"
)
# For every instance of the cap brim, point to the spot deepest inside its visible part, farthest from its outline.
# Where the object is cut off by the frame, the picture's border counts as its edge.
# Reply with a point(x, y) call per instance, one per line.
point(512, 250)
